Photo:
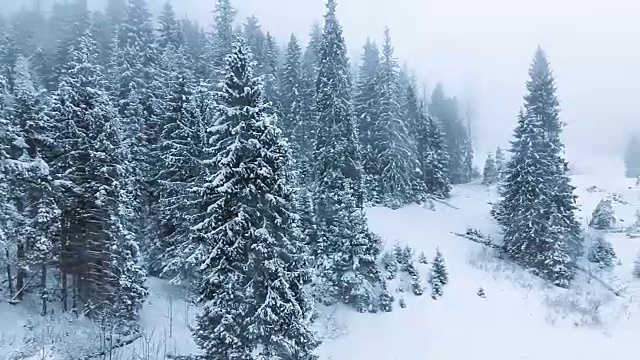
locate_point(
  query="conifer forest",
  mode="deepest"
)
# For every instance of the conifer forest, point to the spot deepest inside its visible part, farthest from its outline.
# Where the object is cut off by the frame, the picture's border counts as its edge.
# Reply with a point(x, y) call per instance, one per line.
point(272, 184)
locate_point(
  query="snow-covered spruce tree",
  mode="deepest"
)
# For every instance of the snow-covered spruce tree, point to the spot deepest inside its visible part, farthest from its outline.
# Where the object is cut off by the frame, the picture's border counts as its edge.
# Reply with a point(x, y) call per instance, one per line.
point(366, 111)
point(310, 65)
point(309, 75)
point(254, 38)
point(422, 258)
point(220, 43)
point(107, 282)
point(180, 152)
point(537, 207)
point(430, 146)
point(603, 216)
point(501, 163)
point(295, 123)
point(632, 157)
point(269, 68)
point(37, 216)
point(439, 275)
point(398, 176)
point(456, 134)
point(346, 251)
point(8, 55)
point(602, 253)
point(390, 264)
point(490, 172)
point(252, 284)
point(138, 92)
point(169, 31)
point(386, 299)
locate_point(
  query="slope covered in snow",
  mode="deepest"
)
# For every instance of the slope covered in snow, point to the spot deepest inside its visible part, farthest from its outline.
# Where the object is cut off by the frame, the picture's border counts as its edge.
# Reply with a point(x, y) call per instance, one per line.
point(520, 316)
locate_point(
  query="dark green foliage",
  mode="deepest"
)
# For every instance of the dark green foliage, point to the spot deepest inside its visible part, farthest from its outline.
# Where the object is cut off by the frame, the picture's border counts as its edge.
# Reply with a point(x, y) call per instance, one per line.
point(481, 293)
point(537, 209)
point(602, 253)
point(456, 134)
point(345, 250)
point(395, 177)
point(439, 275)
point(603, 217)
point(253, 276)
point(430, 146)
point(386, 299)
point(103, 261)
point(490, 172)
point(390, 264)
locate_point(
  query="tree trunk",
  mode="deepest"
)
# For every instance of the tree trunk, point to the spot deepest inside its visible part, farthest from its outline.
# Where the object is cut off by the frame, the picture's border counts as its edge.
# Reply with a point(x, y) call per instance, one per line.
point(74, 294)
point(9, 277)
point(22, 273)
point(64, 291)
point(43, 286)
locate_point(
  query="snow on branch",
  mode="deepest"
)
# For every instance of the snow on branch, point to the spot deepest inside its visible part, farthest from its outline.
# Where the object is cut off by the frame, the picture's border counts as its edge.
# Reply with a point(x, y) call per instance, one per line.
point(476, 237)
point(119, 345)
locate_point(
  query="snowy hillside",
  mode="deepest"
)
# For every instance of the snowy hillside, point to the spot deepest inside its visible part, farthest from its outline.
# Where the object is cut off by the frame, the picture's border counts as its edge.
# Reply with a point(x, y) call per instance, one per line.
point(586, 322)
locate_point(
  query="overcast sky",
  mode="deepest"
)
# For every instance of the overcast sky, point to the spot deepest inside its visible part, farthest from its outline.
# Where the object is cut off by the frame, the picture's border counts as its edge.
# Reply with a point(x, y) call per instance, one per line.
point(481, 49)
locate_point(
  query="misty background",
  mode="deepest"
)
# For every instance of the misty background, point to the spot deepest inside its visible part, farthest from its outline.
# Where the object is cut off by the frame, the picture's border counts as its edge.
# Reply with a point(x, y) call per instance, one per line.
point(480, 51)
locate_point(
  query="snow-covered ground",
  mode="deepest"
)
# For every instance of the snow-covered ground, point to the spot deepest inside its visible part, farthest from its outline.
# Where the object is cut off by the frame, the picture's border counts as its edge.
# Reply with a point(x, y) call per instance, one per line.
point(520, 318)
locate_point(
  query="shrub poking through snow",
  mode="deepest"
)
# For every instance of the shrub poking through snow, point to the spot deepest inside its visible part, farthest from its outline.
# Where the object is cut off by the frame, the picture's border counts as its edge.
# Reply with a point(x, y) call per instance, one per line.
point(636, 266)
point(402, 303)
point(439, 275)
point(603, 217)
point(416, 286)
point(481, 293)
point(390, 265)
point(422, 259)
point(386, 299)
point(403, 256)
point(601, 252)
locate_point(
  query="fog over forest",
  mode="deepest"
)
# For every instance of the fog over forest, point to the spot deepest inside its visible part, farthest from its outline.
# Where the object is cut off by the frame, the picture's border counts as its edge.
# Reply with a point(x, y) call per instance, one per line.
point(480, 50)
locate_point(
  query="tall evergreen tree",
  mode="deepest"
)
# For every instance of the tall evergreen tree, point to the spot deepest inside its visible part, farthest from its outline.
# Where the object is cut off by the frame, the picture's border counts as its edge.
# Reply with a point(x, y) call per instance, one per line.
point(29, 177)
point(501, 163)
point(269, 70)
point(255, 306)
point(346, 251)
point(99, 253)
point(8, 55)
point(138, 94)
point(311, 54)
point(169, 31)
point(366, 107)
point(180, 153)
point(222, 38)
point(255, 39)
point(459, 145)
point(397, 175)
point(490, 171)
point(537, 209)
point(430, 147)
point(296, 121)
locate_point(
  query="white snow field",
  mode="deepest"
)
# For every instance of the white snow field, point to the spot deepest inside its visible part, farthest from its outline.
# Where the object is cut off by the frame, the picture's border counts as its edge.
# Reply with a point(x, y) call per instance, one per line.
point(521, 317)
